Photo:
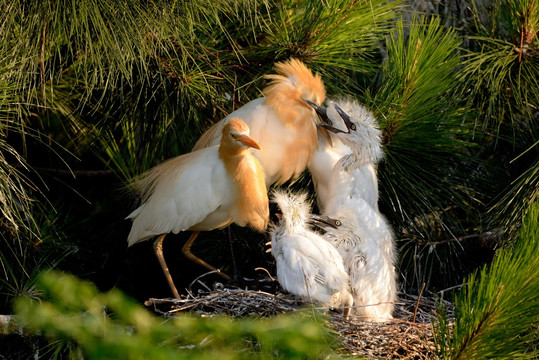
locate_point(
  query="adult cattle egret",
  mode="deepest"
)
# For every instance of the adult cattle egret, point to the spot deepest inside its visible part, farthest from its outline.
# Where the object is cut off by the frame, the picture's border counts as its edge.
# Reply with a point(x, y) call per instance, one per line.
point(307, 265)
point(281, 122)
point(201, 191)
point(365, 242)
point(359, 151)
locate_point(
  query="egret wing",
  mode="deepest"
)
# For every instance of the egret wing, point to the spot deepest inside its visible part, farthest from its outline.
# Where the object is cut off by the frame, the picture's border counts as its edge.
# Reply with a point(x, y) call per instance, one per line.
point(180, 194)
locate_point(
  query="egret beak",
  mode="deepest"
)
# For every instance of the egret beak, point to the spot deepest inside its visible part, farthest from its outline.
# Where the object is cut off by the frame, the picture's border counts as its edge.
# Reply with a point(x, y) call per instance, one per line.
point(347, 121)
point(327, 127)
point(322, 113)
point(323, 221)
point(248, 141)
point(346, 118)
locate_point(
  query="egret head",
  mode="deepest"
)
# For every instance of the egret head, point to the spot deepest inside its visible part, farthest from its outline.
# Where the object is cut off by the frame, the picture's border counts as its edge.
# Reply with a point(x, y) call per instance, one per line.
point(341, 228)
point(356, 127)
point(295, 209)
point(237, 132)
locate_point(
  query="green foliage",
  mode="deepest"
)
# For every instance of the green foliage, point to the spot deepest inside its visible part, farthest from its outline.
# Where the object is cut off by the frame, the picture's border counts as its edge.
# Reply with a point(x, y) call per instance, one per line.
point(337, 38)
point(500, 85)
point(424, 144)
point(119, 87)
point(418, 118)
point(497, 312)
point(112, 326)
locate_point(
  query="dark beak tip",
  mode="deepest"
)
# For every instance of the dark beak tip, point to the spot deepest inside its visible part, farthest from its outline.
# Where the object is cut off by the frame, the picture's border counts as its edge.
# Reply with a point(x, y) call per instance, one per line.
point(346, 118)
point(310, 103)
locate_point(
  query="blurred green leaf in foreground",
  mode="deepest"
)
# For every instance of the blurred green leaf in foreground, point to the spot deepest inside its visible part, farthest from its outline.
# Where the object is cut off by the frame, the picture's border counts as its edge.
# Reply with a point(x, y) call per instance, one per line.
point(112, 326)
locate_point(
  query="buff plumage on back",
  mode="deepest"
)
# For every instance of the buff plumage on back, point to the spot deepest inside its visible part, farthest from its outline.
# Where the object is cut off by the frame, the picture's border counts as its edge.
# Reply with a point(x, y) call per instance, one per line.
point(281, 119)
point(293, 83)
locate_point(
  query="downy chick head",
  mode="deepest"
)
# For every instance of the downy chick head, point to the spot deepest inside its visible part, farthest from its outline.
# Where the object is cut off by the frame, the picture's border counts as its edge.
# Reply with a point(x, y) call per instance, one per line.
point(341, 229)
point(356, 127)
point(295, 210)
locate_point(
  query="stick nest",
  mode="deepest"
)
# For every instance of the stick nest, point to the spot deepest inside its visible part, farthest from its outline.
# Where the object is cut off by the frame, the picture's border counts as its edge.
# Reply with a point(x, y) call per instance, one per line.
point(409, 335)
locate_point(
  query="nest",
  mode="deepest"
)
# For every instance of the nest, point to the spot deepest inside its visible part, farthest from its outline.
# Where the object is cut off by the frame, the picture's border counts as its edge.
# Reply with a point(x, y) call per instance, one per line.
point(409, 335)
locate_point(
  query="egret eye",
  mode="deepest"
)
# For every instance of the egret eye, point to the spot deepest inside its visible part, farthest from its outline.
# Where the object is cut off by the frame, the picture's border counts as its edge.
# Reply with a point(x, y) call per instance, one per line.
point(330, 123)
point(338, 223)
point(353, 127)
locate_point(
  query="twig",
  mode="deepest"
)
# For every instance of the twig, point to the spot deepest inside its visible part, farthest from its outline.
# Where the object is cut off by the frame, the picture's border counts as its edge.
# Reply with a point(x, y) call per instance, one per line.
point(267, 272)
point(452, 240)
point(201, 276)
point(417, 303)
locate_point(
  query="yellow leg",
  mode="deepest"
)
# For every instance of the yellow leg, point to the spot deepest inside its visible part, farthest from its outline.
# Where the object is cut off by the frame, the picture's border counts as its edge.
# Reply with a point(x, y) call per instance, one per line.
point(158, 248)
point(186, 250)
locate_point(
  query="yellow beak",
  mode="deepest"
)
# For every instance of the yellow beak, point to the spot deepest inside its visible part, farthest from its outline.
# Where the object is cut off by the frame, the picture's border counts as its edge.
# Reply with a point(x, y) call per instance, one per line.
point(248, 141)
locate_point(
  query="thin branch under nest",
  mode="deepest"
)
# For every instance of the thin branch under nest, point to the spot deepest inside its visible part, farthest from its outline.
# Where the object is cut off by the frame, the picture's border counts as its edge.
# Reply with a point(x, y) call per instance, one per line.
point(408, 336)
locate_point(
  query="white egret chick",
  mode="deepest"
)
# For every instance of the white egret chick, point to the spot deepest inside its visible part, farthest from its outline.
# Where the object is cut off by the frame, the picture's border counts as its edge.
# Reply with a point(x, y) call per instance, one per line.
point(365, 241)
point(364, 238)
point(358, 152)
point(307, 265)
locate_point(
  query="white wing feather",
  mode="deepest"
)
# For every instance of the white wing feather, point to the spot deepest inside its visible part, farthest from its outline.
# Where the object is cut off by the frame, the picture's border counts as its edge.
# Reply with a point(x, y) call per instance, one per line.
point(183, 197)
point(308, 266)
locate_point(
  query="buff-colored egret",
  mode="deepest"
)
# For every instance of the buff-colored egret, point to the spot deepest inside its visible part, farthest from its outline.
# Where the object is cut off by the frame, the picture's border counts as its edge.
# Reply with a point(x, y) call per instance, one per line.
point(201, 191)
point(281, 121)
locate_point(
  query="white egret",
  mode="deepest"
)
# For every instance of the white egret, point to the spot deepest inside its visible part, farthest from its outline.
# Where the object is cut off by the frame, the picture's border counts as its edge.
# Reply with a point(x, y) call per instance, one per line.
point(364, 238)
point(365, 242)
point(358, 152)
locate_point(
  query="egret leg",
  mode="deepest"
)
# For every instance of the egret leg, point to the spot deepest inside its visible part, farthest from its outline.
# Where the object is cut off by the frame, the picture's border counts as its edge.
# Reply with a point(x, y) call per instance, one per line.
point(158, 248)
point(186, 250)
point(346, 312)
point(236, 277)
point(348, 302)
